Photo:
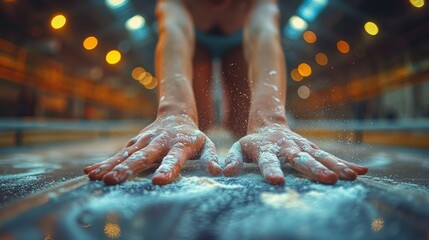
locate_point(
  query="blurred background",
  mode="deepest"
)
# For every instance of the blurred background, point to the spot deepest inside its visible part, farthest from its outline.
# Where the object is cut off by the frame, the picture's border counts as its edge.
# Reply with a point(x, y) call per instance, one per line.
point(358, 70)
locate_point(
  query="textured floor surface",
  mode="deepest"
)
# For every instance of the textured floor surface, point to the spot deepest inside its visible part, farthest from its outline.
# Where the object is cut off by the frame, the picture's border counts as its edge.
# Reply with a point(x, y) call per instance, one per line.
point(43, 195)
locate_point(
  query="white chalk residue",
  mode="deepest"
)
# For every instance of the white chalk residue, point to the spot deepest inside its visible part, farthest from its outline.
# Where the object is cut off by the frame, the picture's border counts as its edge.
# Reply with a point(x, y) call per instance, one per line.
point(137, 155)
point(314, 201)
point(276, 99)
point(271, 148)
point(125, 154)
point(274, 87)
point(272, 73)
point(204, 183)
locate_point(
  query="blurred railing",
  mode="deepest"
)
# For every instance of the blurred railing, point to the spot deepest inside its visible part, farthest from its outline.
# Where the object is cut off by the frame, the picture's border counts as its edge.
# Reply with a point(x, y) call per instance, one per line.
point(19, 132)
point(406, 133)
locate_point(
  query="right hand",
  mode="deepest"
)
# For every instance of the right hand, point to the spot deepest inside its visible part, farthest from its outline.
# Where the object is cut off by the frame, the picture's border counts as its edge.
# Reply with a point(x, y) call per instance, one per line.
point(169, 141)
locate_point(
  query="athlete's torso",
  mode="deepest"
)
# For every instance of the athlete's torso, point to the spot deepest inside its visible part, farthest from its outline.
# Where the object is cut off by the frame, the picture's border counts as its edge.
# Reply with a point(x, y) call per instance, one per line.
point(228, 21)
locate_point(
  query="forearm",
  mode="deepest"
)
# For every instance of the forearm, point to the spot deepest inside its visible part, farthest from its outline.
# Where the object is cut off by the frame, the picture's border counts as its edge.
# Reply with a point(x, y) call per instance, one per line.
point(266, 73)
point(173, 66)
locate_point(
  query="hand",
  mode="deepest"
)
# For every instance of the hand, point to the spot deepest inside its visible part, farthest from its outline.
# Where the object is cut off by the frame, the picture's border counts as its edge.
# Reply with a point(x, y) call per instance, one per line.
point(173, 139)
point(271, 145)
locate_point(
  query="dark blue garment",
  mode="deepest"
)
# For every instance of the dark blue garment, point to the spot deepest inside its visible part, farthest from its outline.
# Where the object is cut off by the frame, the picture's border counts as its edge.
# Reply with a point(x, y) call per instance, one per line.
point(218, 44)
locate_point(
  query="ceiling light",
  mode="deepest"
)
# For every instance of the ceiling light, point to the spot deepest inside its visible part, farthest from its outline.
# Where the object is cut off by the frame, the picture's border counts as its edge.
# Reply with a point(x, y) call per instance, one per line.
point(115, 3)
point(58, 21)
point(135, 22)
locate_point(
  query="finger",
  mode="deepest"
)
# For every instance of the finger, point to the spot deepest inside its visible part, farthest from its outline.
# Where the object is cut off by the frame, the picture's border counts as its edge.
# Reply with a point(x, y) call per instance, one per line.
point(307, 165)
point(141, 141)
point(233, 160)
point(171, 165)
point(209, 158)
point(360, 170)
point(102, 168)
point(137, 162)
point(301, 141)
point(111, 160)
point(269, 165)
point(332, 162)
point(288, 151)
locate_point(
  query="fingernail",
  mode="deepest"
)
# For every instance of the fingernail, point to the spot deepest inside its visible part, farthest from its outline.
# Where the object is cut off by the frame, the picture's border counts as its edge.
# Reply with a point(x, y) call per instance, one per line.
point(348, 171)
point(161, 178)
point(94, 173)
point(110, 178)
point(87, 170)
point(122, 175)
point(275, 180)
point(327, 172)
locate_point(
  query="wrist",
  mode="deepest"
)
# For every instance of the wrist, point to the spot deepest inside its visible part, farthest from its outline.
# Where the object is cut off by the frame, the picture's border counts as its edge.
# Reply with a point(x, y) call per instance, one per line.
point(263, 118)
point(180, 110)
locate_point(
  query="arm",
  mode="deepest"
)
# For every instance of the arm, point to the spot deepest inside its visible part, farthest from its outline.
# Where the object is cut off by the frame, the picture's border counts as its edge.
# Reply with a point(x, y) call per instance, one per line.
point(173, 137)
point(266, 66)
point(173, 60)
point(270, 141)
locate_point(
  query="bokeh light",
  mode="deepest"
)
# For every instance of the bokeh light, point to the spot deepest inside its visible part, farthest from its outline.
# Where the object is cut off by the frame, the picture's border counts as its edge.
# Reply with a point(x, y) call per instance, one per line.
point(304, 69)
point(371, 28)
point(321, 59)
point(112, 230)
point(298, 23)
point(58, 21)
point(295, 75)
point(138, 73)
point(115, 3)
point(377, 224)
point(145, 78)
point(90, 43)
point(113, 57)
point(343, 46)
point(152, 84)
point(135, 22)
point(309, 36)
point(417, 3)
point(304, 92)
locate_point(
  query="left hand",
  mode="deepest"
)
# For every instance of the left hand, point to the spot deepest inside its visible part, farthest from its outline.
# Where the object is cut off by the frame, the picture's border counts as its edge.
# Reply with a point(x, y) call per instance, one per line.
point(270, 145)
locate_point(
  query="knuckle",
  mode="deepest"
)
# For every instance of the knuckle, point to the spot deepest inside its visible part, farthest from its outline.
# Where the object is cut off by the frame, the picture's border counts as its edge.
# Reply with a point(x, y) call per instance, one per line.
point(321, 154)
point(291, 153)
point(138, 155)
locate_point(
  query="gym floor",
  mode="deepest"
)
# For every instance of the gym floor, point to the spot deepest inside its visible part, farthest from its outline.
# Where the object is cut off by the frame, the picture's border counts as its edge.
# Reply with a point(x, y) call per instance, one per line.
point(44, 195)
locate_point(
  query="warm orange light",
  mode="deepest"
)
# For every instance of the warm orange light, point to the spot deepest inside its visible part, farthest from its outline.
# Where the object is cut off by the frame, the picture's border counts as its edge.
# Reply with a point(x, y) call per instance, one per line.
point(309, 36)
point(321, 59)
point(58, 21)
point(113, 57)
point(138, 73)
point(377, 224)
point(371, 28)
point(90, 43)
point(295, 75)
point(343, 46)
point(152, 84)
point(145, 78)
point(112, 230)
point(417, 3)
point(304, 69)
